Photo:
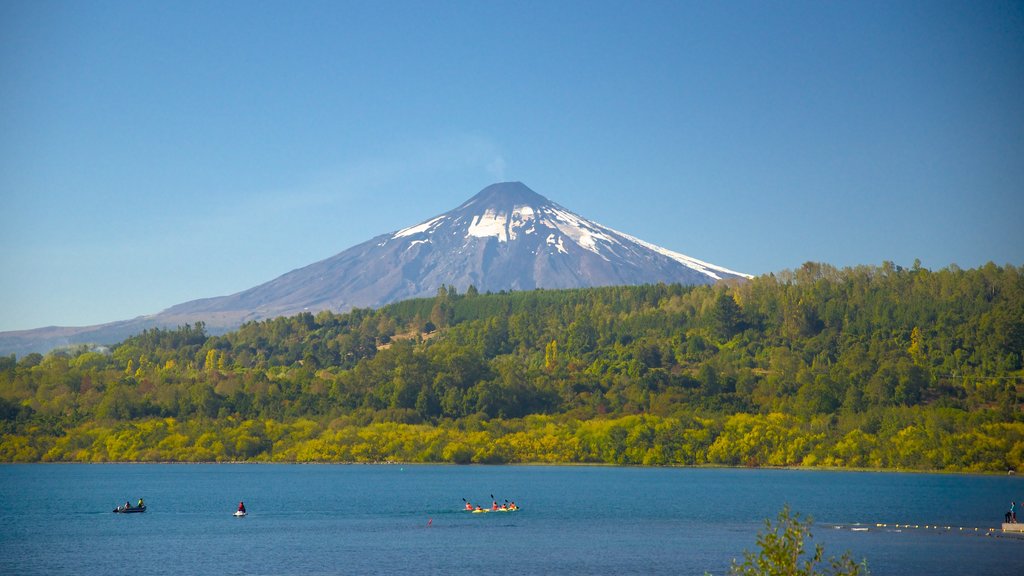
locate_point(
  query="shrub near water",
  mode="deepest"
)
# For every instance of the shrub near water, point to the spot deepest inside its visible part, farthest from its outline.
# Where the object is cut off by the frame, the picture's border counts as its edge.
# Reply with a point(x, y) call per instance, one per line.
point(781, 552)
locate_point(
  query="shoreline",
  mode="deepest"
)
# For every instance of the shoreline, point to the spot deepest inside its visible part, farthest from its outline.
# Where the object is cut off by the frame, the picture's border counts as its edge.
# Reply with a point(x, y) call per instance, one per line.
point(534, 464)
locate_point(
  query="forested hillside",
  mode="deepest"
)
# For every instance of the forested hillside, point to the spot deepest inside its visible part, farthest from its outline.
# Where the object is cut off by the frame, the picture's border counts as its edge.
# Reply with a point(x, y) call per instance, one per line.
point(862, 367)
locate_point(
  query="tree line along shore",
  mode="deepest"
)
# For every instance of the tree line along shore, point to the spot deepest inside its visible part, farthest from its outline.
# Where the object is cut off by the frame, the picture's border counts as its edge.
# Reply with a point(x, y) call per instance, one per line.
point(867, 367)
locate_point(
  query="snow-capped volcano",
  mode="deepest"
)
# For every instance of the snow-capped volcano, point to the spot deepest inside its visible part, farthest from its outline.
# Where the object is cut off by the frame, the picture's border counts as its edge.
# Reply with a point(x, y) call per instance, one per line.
point(507, 237)
point(512, 213)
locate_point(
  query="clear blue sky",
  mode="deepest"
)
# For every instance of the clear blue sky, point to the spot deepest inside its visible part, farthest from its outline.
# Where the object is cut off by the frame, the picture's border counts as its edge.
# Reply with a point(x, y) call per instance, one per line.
point(157, 152)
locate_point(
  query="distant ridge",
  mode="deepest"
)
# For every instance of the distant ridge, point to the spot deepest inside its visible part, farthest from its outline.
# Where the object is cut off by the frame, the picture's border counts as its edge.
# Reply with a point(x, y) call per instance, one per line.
point(506, 237)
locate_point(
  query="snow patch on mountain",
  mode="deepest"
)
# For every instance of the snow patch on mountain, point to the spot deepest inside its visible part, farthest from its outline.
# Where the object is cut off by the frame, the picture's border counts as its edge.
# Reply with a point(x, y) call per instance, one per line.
point(578, 231)
point(505, 226)
point(524, 212)
point(698, 265)
point(490, 223)
point(552, 240)
point(419, 228)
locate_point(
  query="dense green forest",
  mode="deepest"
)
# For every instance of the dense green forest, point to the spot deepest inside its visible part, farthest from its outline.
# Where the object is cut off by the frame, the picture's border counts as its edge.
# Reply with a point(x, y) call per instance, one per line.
point(878, 366)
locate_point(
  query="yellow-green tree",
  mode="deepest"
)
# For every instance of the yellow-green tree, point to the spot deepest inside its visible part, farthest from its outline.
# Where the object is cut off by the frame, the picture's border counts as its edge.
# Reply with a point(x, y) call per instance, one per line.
point(782, 553)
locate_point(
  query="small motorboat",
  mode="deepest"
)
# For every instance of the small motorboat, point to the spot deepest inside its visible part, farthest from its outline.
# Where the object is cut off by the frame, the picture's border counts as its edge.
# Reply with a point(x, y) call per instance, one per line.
point(240, 513)
point(129, 509)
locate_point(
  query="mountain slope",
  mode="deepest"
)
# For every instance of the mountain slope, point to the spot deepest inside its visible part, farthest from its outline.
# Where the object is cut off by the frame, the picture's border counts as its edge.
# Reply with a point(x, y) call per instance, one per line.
point(507, 237)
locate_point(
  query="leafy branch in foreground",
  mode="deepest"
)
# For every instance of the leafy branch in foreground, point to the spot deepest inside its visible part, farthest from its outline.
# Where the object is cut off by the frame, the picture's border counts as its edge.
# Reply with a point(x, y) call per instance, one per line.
point(782, 552)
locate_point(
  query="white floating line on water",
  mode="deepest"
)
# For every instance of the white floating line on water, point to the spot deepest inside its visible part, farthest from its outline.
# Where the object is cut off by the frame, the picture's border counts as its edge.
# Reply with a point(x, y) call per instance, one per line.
point(899, 527)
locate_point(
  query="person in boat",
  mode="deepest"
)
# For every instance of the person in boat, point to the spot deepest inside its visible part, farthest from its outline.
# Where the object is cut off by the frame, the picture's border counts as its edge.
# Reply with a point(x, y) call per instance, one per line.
point(494, 505)
point(141, 504)
point(469, 507)
point(127, 505)
point(241, 507)
point(478, 508)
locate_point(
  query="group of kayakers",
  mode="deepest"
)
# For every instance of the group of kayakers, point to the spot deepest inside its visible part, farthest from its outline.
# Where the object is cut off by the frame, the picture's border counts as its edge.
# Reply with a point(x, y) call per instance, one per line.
point(506, 507)
point(141, 505)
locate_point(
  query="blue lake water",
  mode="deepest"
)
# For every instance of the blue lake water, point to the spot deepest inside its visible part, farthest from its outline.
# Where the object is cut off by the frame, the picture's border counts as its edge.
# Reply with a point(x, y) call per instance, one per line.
point(343, 519)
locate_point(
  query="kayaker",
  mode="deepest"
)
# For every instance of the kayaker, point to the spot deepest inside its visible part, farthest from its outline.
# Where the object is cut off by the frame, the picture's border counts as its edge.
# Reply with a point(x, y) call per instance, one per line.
point(241, 507)
point(469, 507)
point(494, 505)
point(478, 508)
